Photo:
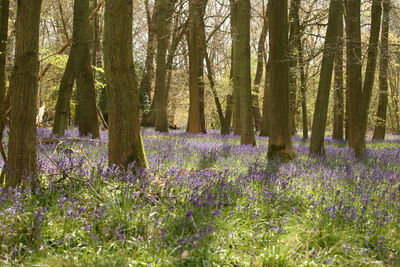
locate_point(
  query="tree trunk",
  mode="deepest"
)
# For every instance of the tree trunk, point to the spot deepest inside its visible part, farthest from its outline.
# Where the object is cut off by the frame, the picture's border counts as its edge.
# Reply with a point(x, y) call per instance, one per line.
point(338, 105)
point(196, 14)
point(322, 104)
point(22, 157)
point(125, 141)
point(293, 63)
point(353, 66)
point(63, 100)
point(226, 127)
point(266, 114)
point(280, 142)
point(259, 73)
point(145, 87)
point(87, 113)
point(376, 18)
point(380, 126)
point(4, 15)
point(234, 76)
point(164, 11)
point(241, 68)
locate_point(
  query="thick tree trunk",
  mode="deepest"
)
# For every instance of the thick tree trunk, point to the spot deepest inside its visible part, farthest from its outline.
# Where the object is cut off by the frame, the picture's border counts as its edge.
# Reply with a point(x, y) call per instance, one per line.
point(353, 66)
point(125, 141)
point(280, 142)
point(196, 14)
point(4, 15)
point(22, 157)
point(324, 87)
point(338, 105)
point(87, 113)
point(63, 101)
point(241, 68)
point(363, 112)
point(380, 126)
point(164, 11)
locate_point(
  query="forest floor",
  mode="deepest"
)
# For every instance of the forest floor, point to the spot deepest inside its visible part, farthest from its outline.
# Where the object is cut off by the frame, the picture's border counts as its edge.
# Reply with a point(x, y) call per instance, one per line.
point(206, 201)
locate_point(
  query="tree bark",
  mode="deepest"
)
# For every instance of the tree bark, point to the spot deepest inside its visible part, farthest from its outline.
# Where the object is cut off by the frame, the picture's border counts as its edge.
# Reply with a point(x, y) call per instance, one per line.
point(125, 141)
point(363, 112)
point(338, 105)
point(380, 126)
point(241, 68)
point(353, 66)
point(322, 103)
point(22, 157)
point(4, 16)
point(259, 72)
point(63, 101)
point(196, 14)
point(87, 113)
point(280, 142)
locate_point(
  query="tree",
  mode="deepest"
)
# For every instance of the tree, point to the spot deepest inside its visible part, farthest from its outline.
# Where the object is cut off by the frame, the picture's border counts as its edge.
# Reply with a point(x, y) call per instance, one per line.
point(280, 143)
point(376, 17)
point(321, 106)
point(241, 68)
point(196, 59)
point(353, 66)
point(63, 101)
point(4, 16)
point(125, 141)
point(338, 105)
point(87, 111)
point(22, 157)
point(380, 125)
point(164, 11)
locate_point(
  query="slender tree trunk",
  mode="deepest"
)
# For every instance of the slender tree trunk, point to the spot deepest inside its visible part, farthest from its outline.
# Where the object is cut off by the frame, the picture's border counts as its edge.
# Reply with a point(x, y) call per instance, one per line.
point(321, 106)
point(259, 73)
point(87, 113)
point(376, 18)
point(380, 126)
point(63, 100)
point(145, 88)
point(22, 157)
point(354, 65)
point(280, 142)
point(226, 127)
point(241, 68)
point(125, 141)
point(196, 14)
point(293, 64)
point(266, 114)
point(4, 16)
point(338, 105)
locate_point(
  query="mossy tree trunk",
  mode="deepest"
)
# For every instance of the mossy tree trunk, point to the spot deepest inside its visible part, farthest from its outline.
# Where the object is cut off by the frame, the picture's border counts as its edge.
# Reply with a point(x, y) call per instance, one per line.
point(325, 80)
point(22, 157)
point(241, 68)
point(125, 141)
point(87, 112)
point(280, 142)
